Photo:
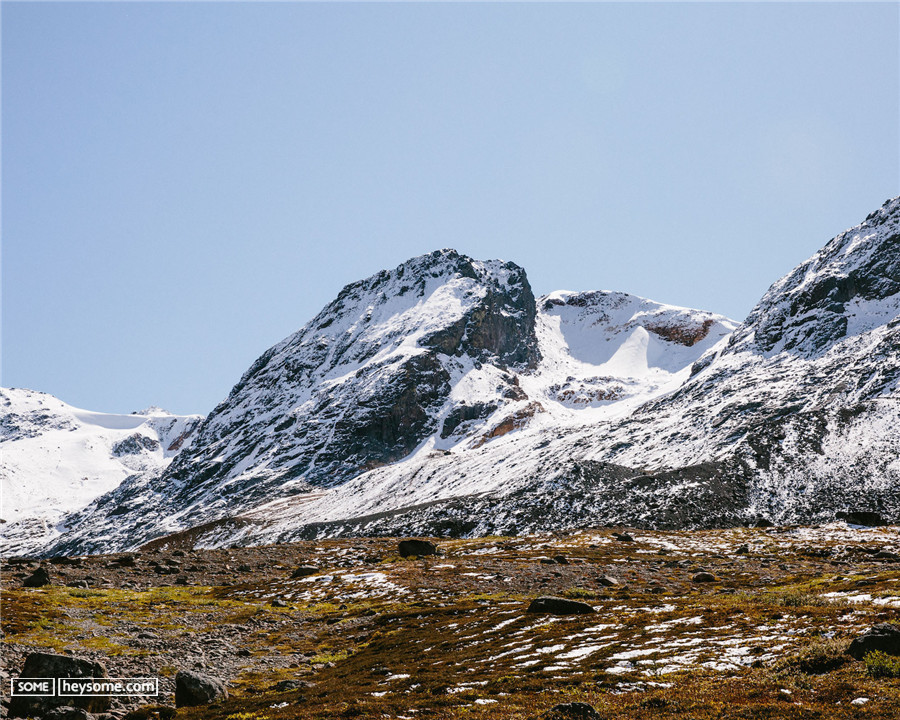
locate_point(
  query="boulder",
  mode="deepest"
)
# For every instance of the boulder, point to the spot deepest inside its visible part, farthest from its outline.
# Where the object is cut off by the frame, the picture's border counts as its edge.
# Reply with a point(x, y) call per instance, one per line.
point(623, 537)
point(607, 581)
point(703, 577)
point(304, 571)
point(47, 665)
point(884, 637)
point(196, 689)
point(417, 547)
point(559, 606)
point(38, 578)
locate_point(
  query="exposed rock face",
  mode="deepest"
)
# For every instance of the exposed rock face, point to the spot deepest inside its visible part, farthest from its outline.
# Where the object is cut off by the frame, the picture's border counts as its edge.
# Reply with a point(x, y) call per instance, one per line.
point(850, 286)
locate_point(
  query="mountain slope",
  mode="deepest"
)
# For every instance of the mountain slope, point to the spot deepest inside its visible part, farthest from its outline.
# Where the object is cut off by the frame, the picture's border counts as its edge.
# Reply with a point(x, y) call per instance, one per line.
point(443, 356)
point(55, 459)
point(442, 397)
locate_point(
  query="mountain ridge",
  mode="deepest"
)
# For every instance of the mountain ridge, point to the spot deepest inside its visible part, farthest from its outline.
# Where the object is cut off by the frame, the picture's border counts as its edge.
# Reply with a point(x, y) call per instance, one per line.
point(443, 397)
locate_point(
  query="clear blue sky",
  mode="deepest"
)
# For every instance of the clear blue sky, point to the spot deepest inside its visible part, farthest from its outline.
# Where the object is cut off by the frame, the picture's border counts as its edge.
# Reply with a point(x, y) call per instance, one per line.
point(185, 184)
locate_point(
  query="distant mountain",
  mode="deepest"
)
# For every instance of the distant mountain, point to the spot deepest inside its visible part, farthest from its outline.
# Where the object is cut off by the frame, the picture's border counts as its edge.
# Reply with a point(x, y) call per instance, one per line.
point(442, 398)
point(56, 459)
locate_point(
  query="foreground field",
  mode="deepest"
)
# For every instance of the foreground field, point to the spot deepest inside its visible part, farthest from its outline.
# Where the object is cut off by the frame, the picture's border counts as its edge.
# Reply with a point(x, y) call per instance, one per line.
point(744, 623)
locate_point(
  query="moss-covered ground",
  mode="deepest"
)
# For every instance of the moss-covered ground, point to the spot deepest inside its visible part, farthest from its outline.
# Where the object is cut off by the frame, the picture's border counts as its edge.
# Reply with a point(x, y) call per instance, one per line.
point(372, 634)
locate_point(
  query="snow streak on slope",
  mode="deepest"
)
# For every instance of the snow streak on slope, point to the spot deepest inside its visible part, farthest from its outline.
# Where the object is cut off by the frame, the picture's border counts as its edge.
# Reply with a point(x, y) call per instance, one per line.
point(55, 459)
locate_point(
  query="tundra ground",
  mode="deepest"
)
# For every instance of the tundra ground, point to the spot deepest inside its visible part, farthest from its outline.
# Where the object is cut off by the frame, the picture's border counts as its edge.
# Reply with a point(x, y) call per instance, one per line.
point(372, 634)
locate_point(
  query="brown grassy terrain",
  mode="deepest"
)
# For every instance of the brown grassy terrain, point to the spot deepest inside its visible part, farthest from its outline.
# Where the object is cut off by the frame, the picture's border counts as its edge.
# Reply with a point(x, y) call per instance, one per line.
point(374, 635)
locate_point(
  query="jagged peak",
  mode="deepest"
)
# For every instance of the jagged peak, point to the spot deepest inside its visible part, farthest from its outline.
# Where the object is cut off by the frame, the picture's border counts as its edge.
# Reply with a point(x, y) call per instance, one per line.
point(849, 287)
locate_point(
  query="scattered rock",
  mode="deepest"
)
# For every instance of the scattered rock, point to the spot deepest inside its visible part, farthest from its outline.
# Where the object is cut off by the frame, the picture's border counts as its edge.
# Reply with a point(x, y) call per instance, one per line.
point(304, 571)
point(884, 637)
point(887, 555)
point(417, 547)
point(559, 606)
point(742, 550)
point(46, 665)
point(560, 560)
point(623, 537)
point(196, 689)
point(285, 685)
point(244, 568)
point(571, 711)
point(607, 581)
point(147, 636)
point(39, 578)
point(279, 603)
point(703, 577)
point(243, 652)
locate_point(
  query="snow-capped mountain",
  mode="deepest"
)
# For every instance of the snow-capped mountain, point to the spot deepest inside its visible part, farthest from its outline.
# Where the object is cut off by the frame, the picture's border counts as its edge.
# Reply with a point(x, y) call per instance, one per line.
point(56, 459)
point(443, 398)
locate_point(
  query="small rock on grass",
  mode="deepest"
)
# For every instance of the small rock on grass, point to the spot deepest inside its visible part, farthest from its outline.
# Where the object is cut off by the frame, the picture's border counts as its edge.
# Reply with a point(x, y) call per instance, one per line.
point(607, 581)
point(623, 537)
point(304, 571)
point(571, 711)
point(559, 606)
point(703, 577)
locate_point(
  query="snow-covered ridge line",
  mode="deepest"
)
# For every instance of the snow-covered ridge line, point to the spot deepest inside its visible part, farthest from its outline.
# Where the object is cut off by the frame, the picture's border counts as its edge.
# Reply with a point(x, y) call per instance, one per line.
point(442, 397)
point(56, 458)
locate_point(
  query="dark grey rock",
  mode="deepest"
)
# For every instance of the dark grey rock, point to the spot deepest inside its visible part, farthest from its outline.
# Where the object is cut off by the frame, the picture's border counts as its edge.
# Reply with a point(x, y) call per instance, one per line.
point(193, 688)
point(47, 665)
point(703, 577)
point(559, 606)
point(884, 637)
point(607, 581)
point(623, 537)
point(417, 547)
point(304, 571)
point(39, 578)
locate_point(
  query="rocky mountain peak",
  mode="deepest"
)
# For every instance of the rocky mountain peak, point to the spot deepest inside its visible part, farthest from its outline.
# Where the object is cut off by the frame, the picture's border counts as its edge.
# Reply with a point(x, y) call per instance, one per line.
point(847, 288)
